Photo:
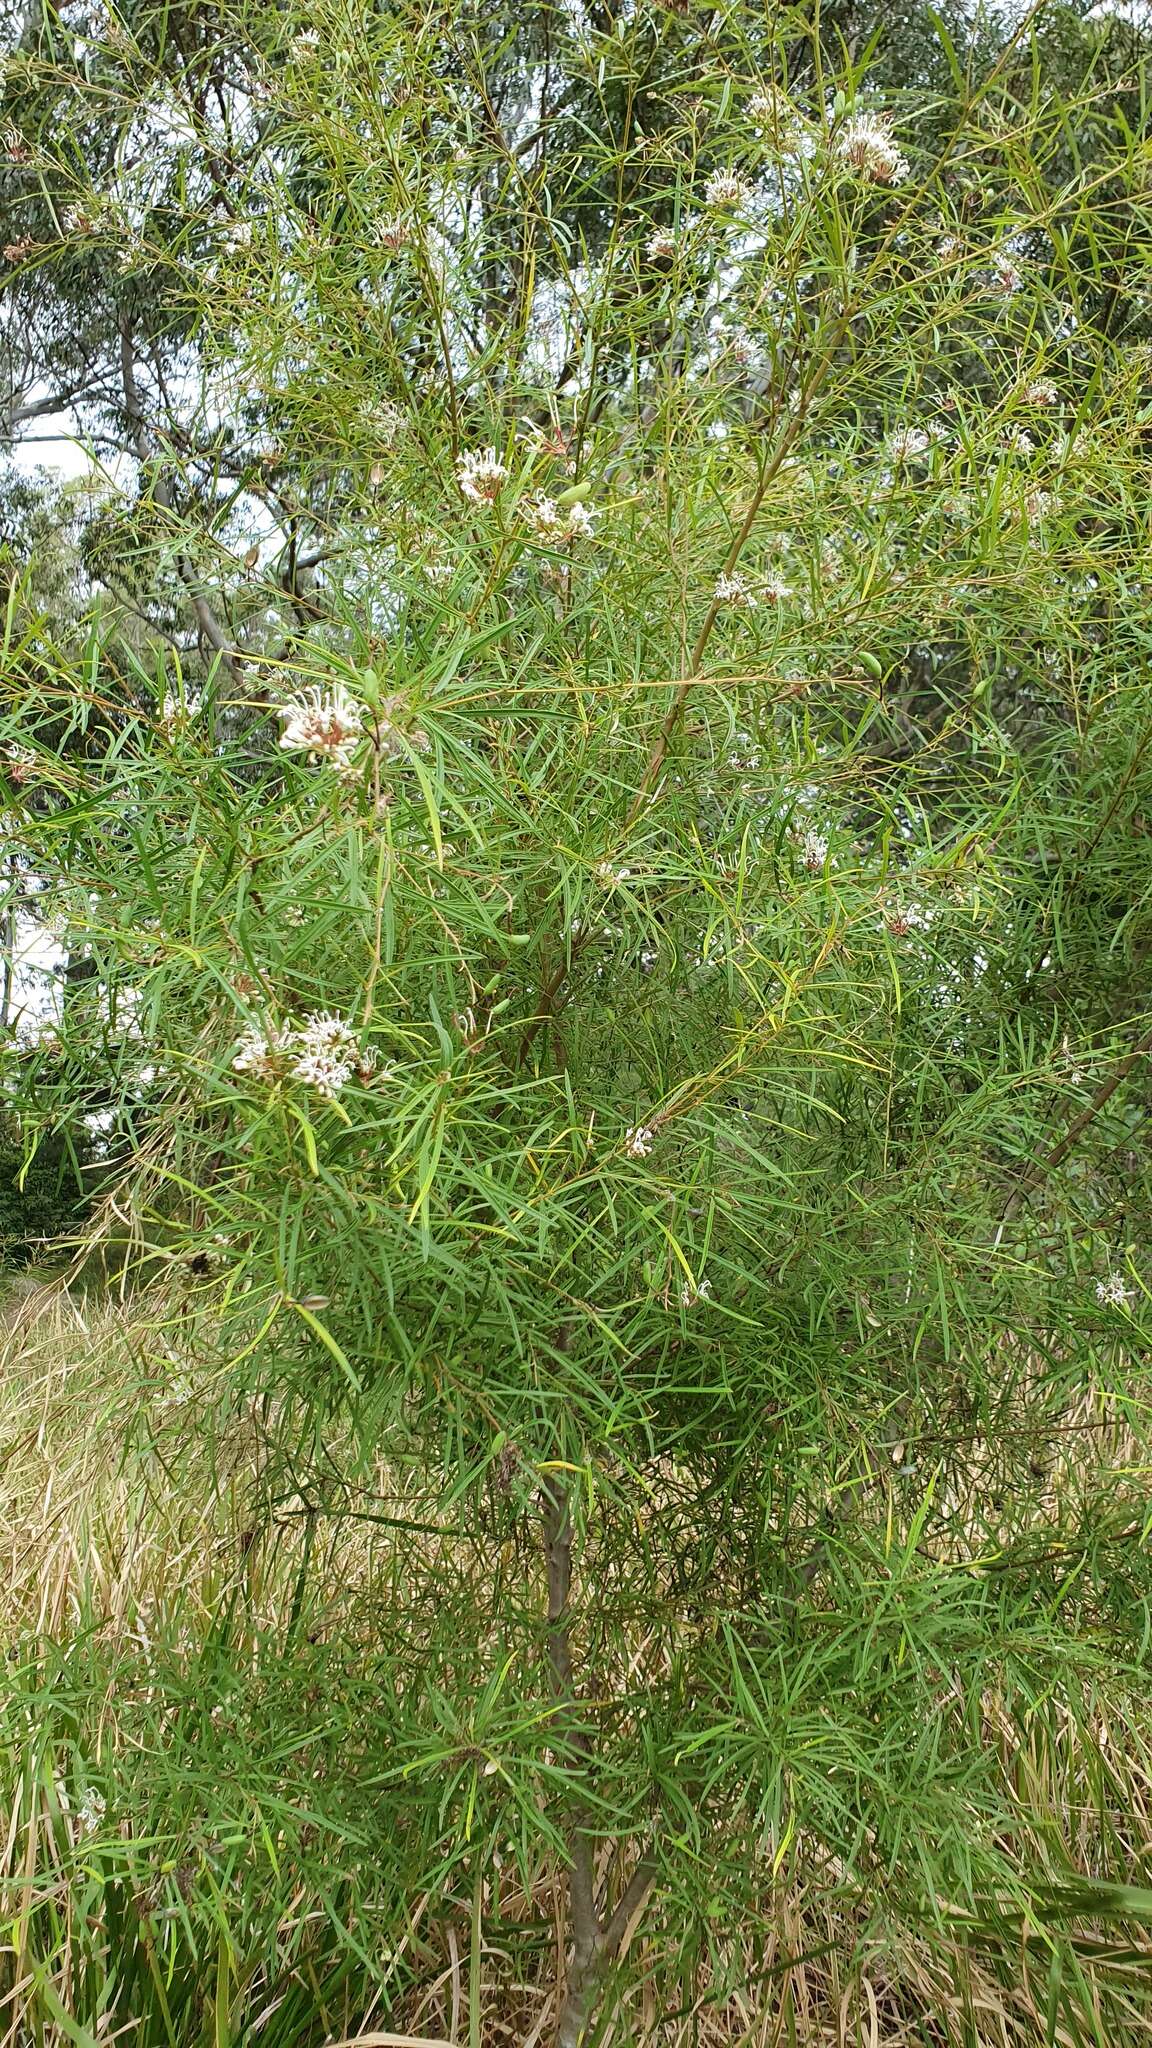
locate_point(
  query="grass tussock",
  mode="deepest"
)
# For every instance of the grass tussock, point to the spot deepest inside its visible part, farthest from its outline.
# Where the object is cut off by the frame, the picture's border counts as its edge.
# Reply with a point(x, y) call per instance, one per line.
point(202, 1835)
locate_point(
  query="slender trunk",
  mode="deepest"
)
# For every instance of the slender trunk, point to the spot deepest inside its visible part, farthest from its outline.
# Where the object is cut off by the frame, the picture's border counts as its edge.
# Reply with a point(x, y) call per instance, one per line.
point(572, 1738)
point(596, 1942)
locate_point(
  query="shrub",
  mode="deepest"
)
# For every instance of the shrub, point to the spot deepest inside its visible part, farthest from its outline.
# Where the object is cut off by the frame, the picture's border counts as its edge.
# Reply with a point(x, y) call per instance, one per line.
point(631, 898)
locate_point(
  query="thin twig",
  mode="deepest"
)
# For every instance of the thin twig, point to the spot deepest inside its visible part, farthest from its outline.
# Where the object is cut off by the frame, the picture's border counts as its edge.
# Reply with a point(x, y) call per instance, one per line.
point(1038, 1168)
point(558, 1559)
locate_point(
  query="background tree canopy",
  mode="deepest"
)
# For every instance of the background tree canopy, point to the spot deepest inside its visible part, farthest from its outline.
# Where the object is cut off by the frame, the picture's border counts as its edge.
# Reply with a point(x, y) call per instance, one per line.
point(583, 738)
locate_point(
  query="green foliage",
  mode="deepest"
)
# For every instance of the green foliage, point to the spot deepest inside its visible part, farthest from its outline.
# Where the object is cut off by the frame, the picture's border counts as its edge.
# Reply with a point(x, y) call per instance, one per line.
point(273, 1765)
point(42, 1198)
point(618, 923)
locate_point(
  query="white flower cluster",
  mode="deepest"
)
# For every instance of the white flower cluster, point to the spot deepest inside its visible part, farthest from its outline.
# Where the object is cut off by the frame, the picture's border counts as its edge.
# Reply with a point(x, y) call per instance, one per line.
point(175, 712)
point(324, 724)
point(779, 123)
point(1017, 441)
point(909, 444)
point(1040, 505)
point(324, 1054)
point(691, 1295)
point(661, 246)
point(481, 475)
point(732, 588)
point(1113, 1292)
point(328, 725)
point(831, 559)
point(609, 876)
point(1007, 277)
point(552, 523)
point(393, 232)
point(384, 423)
point(135, 255)
point(814, 851)
point(1079, 447)
point(90, 1811)
point(863, 144)
point(263, 1054)
point(743, 348)
point(727, 190)
point(638, 1141)
point(90, 219)
point(903, 918)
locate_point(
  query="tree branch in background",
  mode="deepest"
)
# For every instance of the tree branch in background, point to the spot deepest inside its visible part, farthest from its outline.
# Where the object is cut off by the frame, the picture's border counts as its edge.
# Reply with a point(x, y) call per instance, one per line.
point(163, 494)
